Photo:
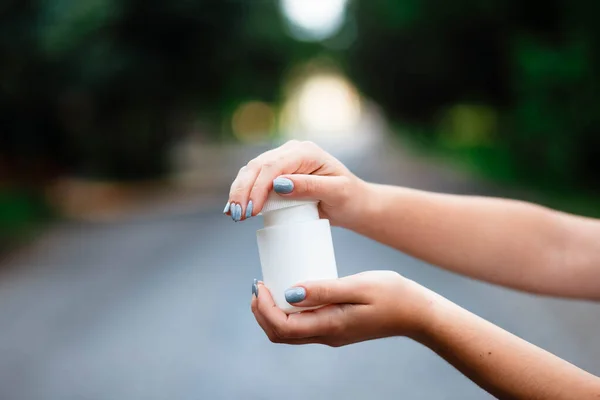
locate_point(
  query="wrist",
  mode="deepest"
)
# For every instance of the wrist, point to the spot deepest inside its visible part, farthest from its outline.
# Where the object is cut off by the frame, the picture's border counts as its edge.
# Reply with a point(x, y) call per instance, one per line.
point(417, 319)
point(363, 206)
point(440, 315)
point(413, 313)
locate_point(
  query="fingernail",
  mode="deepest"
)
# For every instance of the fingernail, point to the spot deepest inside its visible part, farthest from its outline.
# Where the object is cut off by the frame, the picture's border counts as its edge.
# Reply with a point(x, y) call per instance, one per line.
point(295, 295)
point(249, 209)
point(238, 212)
point(255, 288)
point(283, 185)
point(233, 211)
point(226, 209)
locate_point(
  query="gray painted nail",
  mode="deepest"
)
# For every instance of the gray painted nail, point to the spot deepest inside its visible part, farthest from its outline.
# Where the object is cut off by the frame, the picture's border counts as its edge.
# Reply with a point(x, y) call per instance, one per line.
point(255, 287)
point(226, 209)
point(238, 212)
point(295, 295)
point(249, 209)
point(233, 211)
point(283, 185)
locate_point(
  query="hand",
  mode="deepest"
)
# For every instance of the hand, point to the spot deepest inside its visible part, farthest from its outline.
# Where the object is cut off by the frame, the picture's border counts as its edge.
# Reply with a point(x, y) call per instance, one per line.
point(360, 307)
point(300, 170)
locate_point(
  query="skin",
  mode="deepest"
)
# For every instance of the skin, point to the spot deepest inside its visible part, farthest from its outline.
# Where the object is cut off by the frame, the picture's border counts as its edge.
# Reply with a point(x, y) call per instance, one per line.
point(515, 244)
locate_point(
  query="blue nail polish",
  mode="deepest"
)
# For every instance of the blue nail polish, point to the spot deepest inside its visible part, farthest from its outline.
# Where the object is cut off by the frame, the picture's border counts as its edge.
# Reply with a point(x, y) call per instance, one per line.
point(238, 212)
point(226, 209)
point(233, 211)
point(283, 185)
point(255, 288)
point(295, 295)
point(249, 209)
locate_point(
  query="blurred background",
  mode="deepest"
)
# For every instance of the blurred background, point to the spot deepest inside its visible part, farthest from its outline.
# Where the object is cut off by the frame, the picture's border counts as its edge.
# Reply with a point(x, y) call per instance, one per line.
point(123, 123)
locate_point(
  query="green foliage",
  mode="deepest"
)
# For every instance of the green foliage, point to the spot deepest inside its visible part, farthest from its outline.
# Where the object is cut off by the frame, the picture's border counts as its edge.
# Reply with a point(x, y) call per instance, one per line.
point(101, 87)
point(533, 66)
point(20, 214)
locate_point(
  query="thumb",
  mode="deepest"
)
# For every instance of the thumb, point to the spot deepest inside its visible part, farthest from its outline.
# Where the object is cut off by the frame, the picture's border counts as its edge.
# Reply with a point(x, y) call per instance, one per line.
point(327, 291)
point(329, 189)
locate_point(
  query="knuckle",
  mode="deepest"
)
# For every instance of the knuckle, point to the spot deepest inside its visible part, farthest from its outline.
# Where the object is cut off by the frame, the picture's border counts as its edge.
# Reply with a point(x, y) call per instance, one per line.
point(253, 164)
point(237, 189)
point(309, 144)
point(325, 293)
point(312, 147)
point(311, 186)
point(292, 142)
point(318, 295)
point(268, 165)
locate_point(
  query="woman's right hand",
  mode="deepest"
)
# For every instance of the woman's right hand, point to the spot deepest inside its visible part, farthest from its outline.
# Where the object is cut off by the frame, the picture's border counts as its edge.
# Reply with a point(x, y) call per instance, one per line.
point(298, 170)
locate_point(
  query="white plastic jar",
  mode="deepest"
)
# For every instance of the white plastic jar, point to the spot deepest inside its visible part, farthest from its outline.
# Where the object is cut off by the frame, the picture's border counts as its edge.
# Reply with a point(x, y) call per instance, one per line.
point(294, 246)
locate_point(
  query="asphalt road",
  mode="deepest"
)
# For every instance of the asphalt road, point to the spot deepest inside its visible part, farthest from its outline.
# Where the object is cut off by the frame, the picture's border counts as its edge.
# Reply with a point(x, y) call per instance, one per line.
point(158, 308)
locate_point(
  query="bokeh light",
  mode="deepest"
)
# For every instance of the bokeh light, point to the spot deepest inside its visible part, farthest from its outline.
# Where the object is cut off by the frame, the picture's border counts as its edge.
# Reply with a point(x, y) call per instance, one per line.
point(253, 121)
point(324, 106)
point(314, 20)
point(468, 125)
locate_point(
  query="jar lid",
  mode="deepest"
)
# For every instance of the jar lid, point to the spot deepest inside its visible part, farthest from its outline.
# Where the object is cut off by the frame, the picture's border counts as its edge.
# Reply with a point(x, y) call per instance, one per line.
point(275, 202)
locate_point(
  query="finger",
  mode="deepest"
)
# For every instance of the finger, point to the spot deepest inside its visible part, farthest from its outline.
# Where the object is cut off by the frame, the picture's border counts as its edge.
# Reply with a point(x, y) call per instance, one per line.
point(270, 317)
point(328, 189)
point(239, 193)
point(273, 337)
point(328, 321)
point(297, 158)
point(266, 326)
point(330, 291)
point(240, 190)
point(262, 322)
point(305, 327)
point(281, 328)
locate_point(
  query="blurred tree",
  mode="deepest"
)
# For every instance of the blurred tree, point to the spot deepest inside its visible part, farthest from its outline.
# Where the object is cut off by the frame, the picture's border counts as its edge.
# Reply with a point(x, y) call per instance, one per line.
point(537, 63)
point(102, 86)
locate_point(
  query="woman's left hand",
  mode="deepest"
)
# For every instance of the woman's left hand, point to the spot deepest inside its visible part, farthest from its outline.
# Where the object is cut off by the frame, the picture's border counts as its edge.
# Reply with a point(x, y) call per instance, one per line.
point(366, 306)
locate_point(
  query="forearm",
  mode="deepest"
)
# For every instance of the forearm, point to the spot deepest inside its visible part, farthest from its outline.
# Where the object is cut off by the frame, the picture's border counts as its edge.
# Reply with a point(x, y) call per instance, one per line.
point(499, 362)
point(501, 241)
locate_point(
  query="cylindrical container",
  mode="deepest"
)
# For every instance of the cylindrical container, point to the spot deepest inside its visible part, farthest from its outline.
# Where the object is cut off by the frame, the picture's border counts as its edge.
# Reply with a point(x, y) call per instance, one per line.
point(294, 246)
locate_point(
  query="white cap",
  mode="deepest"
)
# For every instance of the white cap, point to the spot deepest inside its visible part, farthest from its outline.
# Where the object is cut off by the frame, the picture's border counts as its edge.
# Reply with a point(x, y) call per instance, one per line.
point(281, 211)
point(276, 202)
